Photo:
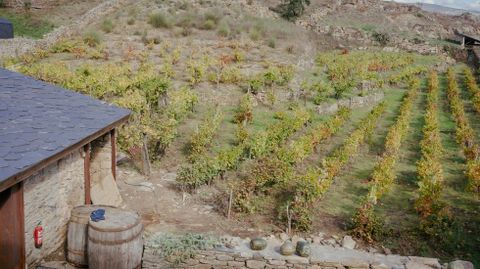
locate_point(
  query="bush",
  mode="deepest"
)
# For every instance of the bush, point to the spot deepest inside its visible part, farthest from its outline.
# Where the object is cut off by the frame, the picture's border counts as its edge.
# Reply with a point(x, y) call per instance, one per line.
point(382, 38)
point(271, 43)
point(214, 16)
point(209, 25)
point(107, 26)
point(254, 34)
point(224, 30)
point(131, 21)
point(160, 20)
point(291, 9)
point(92, 38)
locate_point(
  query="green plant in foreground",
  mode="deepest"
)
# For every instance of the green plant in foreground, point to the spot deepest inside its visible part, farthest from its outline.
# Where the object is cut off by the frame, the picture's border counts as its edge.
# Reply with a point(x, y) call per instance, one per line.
point(177, 248)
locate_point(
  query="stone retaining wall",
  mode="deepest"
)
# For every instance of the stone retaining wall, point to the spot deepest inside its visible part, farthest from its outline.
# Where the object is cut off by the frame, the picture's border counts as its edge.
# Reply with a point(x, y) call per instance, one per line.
point(353, 102)
point(238, 255)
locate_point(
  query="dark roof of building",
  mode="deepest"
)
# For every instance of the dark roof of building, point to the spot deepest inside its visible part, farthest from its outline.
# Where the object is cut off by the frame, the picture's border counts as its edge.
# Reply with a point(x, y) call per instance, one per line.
point(39, 121)
point(477, 39)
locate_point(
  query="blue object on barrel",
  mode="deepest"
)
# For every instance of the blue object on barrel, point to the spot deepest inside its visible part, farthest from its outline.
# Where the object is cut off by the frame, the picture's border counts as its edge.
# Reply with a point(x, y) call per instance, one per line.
point(6, 29)
point(97, 215)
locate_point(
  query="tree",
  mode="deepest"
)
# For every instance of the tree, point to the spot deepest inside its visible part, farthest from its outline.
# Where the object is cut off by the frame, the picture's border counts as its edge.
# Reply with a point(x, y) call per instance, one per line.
point(291, 9)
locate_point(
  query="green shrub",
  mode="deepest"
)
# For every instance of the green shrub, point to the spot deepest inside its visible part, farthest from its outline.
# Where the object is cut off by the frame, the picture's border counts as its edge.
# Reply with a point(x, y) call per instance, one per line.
point(271, 43)
point(382, 38)
point(131, 21)
point(214, 15)
point(209, 25)
point(224, 29)
point(291, 9)
point(254, 34)
point(92, 38)
point(107, 26)
point(160, 20)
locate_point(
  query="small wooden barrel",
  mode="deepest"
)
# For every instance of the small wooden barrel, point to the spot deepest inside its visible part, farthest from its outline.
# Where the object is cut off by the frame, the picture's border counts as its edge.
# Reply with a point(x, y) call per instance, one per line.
point(116, 242)
point(77, 234)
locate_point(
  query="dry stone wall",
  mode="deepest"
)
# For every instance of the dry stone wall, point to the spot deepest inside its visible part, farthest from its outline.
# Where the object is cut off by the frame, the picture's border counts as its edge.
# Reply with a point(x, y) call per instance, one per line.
point(49, 197)
point(236, 254)
point(353, 102)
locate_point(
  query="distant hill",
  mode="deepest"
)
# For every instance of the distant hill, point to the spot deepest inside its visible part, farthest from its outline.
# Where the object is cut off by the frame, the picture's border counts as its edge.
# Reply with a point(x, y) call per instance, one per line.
point(444, 9)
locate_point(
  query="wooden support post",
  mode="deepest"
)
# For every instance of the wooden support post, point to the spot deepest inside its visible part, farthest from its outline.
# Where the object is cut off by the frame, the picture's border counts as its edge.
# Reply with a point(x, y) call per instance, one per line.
point(12, 228)
point(86, 173)
point(113, 140)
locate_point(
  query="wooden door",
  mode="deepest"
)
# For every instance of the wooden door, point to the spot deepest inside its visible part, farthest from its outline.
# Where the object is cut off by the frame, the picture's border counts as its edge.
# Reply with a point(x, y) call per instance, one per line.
point(12, 235)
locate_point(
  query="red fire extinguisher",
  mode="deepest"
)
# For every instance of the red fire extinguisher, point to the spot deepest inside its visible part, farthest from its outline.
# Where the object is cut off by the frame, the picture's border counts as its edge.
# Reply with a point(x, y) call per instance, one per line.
point(38, 235)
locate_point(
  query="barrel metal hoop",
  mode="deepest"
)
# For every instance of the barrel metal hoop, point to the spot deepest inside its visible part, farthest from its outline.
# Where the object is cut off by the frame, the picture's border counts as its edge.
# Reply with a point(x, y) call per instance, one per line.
point(78, 252)
point(116, 229)
point(111, 243)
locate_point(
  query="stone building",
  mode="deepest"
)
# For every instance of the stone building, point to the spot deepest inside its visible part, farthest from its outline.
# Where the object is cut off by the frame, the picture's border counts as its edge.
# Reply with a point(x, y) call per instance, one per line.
point(55, 145)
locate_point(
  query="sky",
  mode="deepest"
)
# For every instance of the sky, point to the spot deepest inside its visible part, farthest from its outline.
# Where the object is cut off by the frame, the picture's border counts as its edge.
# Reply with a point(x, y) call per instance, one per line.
point(461, 4)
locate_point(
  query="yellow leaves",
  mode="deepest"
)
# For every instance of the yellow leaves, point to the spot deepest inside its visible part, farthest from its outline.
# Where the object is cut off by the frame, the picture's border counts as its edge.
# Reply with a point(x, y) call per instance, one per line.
point(429, 168)
point(464, 132)
point(473, 173)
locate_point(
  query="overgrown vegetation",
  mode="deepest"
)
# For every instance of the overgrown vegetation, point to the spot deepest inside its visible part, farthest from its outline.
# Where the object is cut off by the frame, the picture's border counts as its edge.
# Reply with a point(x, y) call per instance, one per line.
point(178, 248)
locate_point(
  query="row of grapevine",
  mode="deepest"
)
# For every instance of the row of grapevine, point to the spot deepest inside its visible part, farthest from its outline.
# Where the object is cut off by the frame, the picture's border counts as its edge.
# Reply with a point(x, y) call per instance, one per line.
point(310, 187)
point(472, 88)
point(158, 108)
point(429, 168)
point(279, 166)
point(203, 135)
point(383, 175)
point(464, 133)
point(206, 168)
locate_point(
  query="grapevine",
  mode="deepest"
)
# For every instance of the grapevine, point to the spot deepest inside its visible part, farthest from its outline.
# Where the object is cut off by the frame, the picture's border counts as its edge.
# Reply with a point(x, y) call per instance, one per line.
point(311, 186)
point(365, 222)
point(464, 133)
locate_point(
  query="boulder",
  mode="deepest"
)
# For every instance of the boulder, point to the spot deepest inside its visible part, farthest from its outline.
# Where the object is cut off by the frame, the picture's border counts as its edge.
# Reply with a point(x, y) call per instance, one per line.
point(348, 242)
point(458, 264)
point(287, 248)
point(303, 248)
point(258, 244)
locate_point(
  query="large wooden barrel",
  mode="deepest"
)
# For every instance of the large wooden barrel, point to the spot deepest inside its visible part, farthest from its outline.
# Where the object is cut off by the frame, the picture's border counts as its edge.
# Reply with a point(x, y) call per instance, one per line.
point(116, 242)
point(77, 234)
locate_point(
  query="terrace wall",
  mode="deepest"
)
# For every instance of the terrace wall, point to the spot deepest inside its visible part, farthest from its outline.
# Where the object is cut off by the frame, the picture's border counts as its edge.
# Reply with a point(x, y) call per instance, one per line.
point(236, 254)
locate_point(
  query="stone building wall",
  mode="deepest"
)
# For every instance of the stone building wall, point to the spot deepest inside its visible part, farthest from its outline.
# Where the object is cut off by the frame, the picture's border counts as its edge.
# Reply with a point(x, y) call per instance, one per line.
point(49, 196)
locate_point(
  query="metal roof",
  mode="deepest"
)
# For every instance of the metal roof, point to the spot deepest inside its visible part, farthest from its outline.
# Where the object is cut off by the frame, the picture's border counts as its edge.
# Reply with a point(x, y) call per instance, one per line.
point(39, 121)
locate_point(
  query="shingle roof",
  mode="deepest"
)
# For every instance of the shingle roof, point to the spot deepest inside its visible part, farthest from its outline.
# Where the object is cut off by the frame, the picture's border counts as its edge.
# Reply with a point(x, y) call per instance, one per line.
point(39, 120)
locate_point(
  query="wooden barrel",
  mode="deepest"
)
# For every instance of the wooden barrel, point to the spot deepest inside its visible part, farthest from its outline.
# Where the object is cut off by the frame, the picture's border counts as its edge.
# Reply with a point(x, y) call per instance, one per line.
point(116, 242)
point(77, 234)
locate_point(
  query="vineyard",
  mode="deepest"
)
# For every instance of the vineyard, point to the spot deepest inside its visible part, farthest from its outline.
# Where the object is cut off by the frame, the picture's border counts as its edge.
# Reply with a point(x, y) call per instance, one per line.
point(237, 119)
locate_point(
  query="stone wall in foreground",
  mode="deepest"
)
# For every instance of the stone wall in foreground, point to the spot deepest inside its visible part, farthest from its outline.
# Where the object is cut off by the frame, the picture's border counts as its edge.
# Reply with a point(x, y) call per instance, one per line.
point(238, 255)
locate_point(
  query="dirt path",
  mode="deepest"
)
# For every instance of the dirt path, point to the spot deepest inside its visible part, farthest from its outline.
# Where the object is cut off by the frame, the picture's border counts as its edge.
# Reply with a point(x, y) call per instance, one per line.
point(164, 208)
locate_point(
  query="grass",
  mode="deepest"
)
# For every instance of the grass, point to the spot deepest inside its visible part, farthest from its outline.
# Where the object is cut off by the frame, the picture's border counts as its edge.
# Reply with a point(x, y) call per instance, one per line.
point(26, 25)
